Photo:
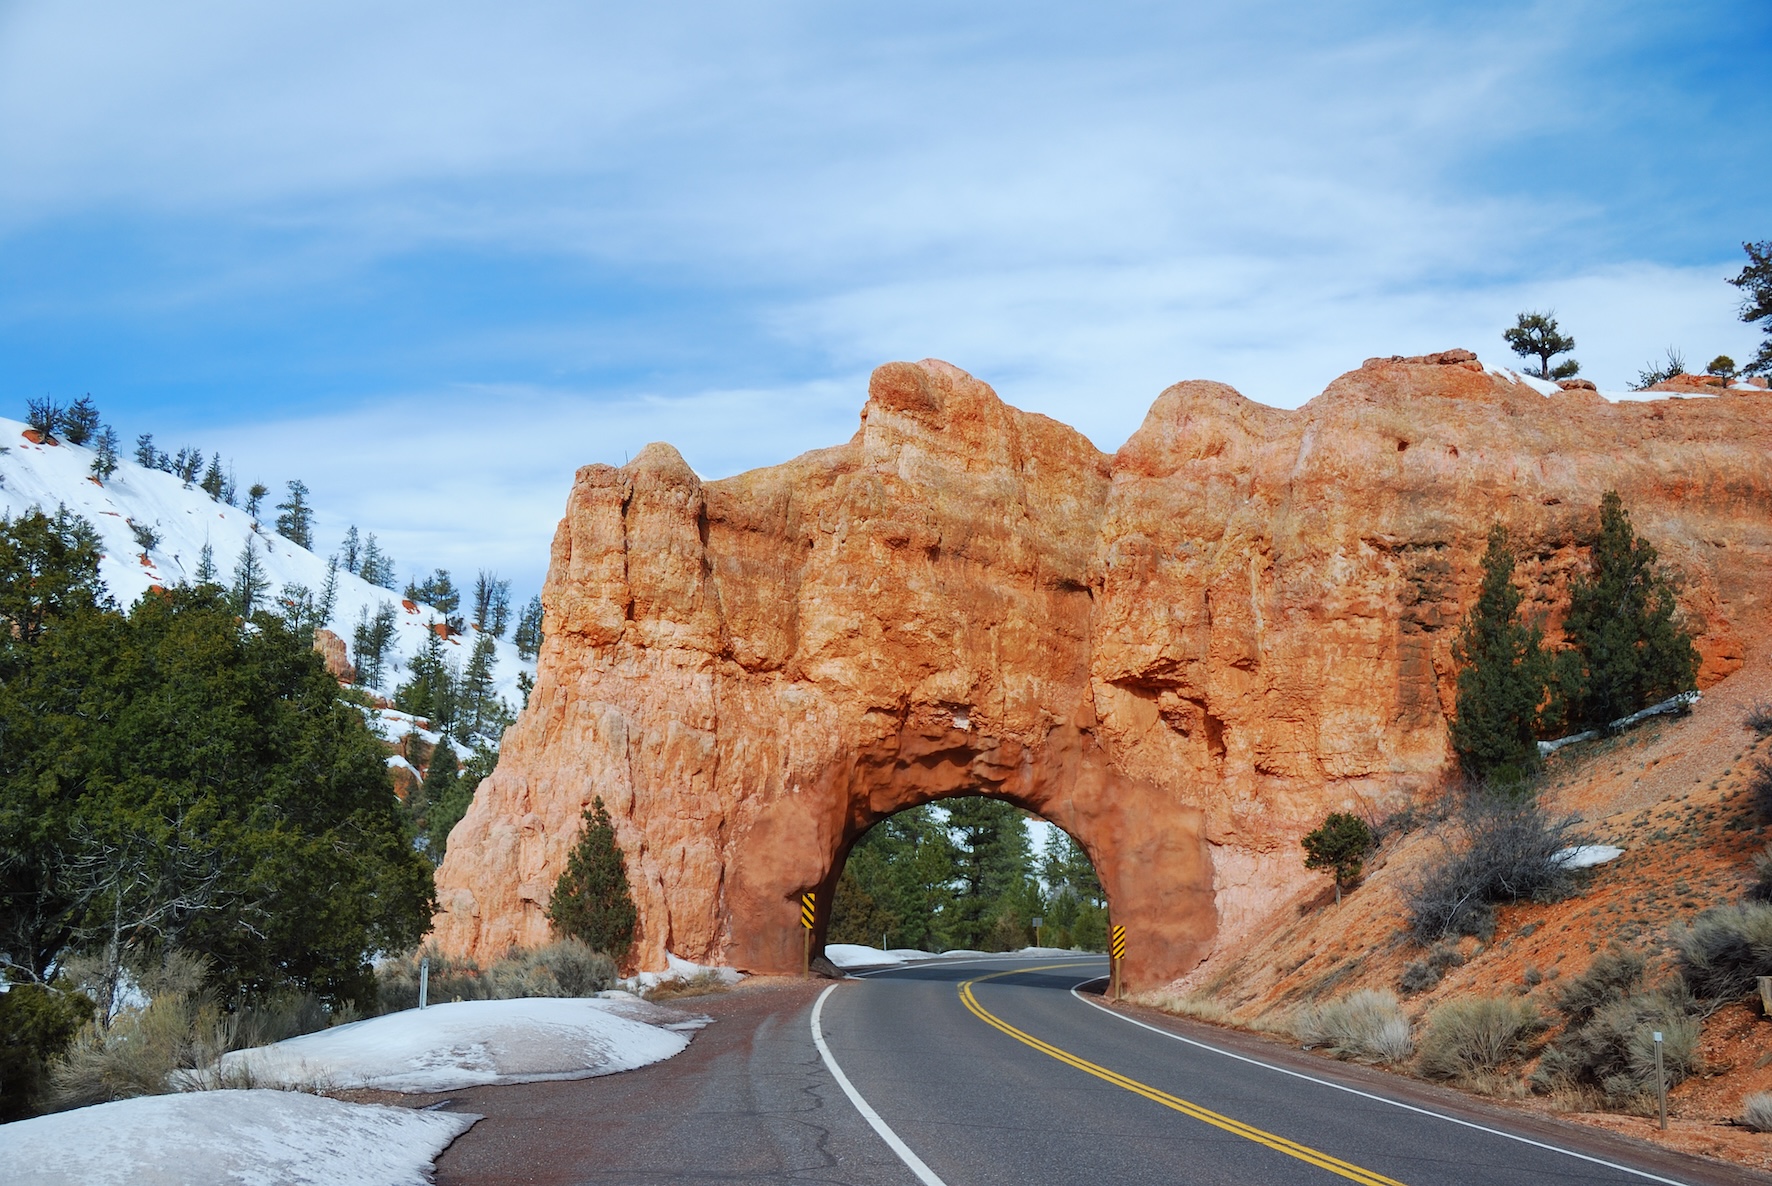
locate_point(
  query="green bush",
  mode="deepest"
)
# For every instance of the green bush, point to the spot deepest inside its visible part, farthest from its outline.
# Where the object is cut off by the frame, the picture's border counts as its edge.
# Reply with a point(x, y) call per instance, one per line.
point(1339, 844)
point(591, 900)
point(37, 1024)
point(1472, 1037)
point(1366, 1026)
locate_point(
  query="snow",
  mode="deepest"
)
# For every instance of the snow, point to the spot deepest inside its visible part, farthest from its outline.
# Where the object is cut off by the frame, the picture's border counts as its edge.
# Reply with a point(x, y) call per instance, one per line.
point(238, 1138)
point(185, 518)
point(859, 955)
point(681, 969)
point(466, 1043)
point(1585, 856)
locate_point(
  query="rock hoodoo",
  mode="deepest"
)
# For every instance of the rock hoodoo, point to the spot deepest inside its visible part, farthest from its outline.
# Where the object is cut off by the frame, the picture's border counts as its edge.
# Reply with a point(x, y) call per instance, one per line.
point(1183, 654)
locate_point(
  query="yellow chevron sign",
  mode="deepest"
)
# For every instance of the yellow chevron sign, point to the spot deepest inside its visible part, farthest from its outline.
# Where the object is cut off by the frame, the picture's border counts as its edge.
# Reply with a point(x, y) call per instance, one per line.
point(1118, 947)
point(808, 908)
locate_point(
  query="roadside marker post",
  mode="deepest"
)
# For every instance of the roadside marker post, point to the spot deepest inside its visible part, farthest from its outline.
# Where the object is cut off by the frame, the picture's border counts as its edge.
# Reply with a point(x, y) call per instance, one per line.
point(1037, 921)
point(424, 980)
point(1116, 953)
point(808, 912)
point(1660, 1081)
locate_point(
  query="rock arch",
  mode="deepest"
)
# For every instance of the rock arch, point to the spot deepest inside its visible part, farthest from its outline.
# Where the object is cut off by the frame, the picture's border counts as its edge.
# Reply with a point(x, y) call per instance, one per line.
point(1184, 654)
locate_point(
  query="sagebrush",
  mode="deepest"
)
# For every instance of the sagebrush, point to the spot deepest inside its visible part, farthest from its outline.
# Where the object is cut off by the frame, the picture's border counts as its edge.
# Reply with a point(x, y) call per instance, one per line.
point(1610, 1013)
point(1426, 973)
point(1503, 849)
point(1469, 1038)
point(1367, 1026)
point(1724, 949)
point(1756, 1111)
point(564, 968)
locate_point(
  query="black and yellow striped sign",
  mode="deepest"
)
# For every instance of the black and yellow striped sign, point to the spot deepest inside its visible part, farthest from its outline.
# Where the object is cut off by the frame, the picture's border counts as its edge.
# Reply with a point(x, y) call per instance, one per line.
point(1118, 946)
point(808, 908)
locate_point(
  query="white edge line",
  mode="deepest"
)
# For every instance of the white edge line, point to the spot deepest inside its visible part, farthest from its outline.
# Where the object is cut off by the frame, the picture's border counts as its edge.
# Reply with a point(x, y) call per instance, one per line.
point(1368, 1095)
point(914, 1163)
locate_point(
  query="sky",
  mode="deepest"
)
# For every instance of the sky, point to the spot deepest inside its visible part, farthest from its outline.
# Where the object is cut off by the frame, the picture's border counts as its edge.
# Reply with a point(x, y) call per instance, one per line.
point(431, 258)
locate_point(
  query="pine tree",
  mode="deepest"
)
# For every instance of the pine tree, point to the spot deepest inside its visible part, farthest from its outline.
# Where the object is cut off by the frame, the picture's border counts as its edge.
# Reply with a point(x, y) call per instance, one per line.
point(377, 567)
point(499, 615)
point(433, 789)
point(478, 701)
point(229, 489)
point(255, 497)
point(370, 641)
point(145, 453)
point(296, 523)
point(212, 478)
point(350, 552)
point(1628, 646)
point(492, 601)
point(1339, 844)
point(434, 691)
point(443, 812)
point(187, 463)
point(79, 421)
point(1502, 674)
point(528, 633)
point(104, 454)
point(1755, 280)
point(328, 594)
point(249, 580)
point(591, 900)
point(206, 574)
point(44, 415)
point(1534, 335)
point(994, 864)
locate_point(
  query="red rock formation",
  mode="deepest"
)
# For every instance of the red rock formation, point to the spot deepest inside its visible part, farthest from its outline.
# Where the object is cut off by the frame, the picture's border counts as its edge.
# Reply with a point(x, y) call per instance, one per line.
point(1183, 654)
point(332, 649)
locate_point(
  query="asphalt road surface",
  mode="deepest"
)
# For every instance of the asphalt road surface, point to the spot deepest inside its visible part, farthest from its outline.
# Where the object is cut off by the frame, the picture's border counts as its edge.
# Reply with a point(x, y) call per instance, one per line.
point(1010, 1071)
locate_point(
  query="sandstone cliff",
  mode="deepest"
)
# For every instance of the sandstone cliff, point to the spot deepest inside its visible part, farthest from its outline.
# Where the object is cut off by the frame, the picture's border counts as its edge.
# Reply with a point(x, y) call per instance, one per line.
point(1183, 654)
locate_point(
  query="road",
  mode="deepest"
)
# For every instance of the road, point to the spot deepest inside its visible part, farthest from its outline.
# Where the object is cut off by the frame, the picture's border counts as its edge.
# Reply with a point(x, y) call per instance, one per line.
point(1010, 1071)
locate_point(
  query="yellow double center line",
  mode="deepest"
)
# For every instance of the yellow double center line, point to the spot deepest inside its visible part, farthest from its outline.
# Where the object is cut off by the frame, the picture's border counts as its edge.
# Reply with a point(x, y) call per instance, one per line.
point(1247, 1131)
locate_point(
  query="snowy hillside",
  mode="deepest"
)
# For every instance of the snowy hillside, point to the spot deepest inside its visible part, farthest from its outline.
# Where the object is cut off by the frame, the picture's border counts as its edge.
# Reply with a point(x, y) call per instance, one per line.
point(184, 519)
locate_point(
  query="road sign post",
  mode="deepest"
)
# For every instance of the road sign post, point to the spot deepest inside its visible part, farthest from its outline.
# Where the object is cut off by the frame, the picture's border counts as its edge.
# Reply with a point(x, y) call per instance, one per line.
point(808, 912)
point(1037, 921)
point(1660, 1081)
point(1117, 953)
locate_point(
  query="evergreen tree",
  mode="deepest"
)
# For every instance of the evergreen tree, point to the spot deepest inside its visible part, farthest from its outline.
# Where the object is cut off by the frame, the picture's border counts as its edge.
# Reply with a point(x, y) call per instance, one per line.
point(1723, 367)
point(992, 870)
point(1502, 676)
point(1535, 335)
point(482, 710)
point(492, 603)
point(212, 478)
point(79, 421)
point(249, 580)
point(296, 523)
point(857, 916)
point(145, 453)
point(229, 489)
point(44, 415)
point(1339, 844)
point(206, 574)
point(48, 572)
point(446, 809)
point(440, 778)
point(255, 497)
point(434, 691)
point(328, 594)
point(528, 632)
point(104, 454)
point(187, 463)
point(350, 552)
point(1652, 373)
point(591, 900)
point(1755, 281)
point(1628, 647)
point(370, 641)
point(377, 567)
point(525, 685)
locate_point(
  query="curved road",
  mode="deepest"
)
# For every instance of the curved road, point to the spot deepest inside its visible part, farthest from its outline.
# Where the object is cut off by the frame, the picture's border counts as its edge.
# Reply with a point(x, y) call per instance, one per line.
point(1009, 1070)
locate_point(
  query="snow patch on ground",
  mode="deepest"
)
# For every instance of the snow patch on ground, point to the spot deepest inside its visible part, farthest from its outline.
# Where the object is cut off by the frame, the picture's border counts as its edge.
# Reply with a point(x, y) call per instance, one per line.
point(467, 1043)
point(680, 969)
point(859, 955)
point(236, 1138)
point(1585, 856)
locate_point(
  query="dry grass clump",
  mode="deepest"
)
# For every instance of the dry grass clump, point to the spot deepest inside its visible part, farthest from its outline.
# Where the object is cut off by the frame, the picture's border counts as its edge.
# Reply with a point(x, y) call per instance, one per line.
point(1366, 1026)
point(1473, 1039)
point(1426, 973)
point(699, 985)
point(1756, 1111)
point(1197, 1005)
point(564, 968)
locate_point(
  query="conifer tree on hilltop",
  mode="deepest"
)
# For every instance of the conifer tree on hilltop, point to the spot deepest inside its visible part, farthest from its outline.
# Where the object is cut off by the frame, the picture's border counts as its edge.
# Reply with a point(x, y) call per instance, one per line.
point(1535, 335)
point(350, 552)
point(528, 633)
point(1502, 674)
point(1755, 281)
point(1629, 648)
point(255, 497)
point(370, 642)
point(79, 421)
point(296, 523)
point(104, 454)
point(213, 482)
point(249, 580)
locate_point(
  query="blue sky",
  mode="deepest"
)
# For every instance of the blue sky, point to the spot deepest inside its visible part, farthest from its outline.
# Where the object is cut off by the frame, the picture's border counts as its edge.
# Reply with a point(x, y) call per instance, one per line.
point(431, 260)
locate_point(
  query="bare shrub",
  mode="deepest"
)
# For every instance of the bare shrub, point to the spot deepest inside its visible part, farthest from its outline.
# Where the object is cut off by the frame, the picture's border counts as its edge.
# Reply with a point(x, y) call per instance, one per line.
point(1503, 850)
point(1610, 1015)
point(1756, 1111)
point(1367, 1026)
point(1759, 717)
point(565, 968)
point(1724, 949)
point(1759, 787)
point(1426, 973)
point(1761, 889)
point(1473, 1037)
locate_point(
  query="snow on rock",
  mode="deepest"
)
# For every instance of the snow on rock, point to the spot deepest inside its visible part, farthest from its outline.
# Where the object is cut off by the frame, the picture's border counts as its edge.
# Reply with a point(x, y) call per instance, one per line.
point(1585, 856)
point(681, 969)
point(185, 518)
point(237, 1138)
point(466, 1043)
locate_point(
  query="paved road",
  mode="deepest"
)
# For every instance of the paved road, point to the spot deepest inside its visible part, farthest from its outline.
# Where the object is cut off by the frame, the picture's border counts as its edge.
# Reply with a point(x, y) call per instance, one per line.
point(995, 1071)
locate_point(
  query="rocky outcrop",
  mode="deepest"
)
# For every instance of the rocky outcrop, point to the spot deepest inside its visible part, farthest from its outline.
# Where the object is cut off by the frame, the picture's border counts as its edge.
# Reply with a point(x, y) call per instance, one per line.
point(1183, 654)
point(332, 650)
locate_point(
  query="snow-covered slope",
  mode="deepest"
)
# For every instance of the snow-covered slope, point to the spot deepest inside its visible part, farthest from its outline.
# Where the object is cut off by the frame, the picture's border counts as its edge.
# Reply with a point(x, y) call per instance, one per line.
point(185, 518)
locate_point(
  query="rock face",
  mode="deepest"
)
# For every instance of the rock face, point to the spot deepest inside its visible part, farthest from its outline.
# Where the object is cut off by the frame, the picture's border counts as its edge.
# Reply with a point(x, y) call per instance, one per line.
point(1183, 654)
point(332, 650)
